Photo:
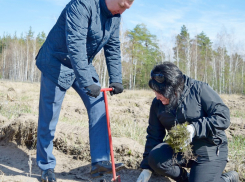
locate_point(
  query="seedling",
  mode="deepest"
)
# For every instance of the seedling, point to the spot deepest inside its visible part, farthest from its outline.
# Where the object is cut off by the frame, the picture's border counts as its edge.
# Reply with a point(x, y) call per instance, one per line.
point(178, 137)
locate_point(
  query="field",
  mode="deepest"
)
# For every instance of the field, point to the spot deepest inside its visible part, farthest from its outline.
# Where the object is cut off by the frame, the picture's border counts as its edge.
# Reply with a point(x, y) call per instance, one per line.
point(129, 117)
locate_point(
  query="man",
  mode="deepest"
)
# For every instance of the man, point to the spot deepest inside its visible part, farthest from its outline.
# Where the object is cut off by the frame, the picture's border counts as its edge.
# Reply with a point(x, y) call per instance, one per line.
point(65, 60)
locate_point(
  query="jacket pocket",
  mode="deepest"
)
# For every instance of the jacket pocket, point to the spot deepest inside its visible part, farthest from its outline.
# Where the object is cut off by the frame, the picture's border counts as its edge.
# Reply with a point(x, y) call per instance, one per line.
point(63, 58)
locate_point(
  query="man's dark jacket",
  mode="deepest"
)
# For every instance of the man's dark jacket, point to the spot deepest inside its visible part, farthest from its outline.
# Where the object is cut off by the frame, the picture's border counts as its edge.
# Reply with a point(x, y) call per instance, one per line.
point(201, 106)
point(83, 28)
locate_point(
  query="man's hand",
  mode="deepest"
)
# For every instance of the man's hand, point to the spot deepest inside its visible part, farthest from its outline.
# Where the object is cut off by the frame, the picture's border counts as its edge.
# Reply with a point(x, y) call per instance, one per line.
point(117, 88)
point(93, 90)
point(144, 176)
point(192, 132)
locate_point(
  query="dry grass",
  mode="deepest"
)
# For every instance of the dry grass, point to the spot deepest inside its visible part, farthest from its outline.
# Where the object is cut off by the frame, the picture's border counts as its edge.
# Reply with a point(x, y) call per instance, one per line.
point(236, 154)
point(12, 110)
point(124, 126)
point(129, 113)
point(236, 104)
point(1, 176)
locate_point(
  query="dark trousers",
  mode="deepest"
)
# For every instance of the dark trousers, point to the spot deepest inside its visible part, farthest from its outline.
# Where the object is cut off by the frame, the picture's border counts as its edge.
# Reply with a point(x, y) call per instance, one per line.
point(161, 161)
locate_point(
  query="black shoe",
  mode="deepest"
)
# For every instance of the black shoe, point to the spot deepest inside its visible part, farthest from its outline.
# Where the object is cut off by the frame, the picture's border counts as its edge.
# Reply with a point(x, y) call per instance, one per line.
point(103, 167)
point(48, 175)
point(231, 176)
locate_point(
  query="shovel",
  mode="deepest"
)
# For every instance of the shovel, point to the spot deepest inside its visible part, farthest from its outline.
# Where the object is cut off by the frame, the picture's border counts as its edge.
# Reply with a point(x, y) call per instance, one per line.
point(115, 177)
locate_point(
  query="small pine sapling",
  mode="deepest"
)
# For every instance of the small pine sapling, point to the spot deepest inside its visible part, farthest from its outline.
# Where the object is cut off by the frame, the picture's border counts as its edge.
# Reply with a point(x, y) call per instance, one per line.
point(177, 140)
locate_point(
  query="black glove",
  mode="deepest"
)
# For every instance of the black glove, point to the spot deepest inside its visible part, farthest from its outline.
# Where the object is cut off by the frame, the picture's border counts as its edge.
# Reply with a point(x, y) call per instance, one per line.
point(93, 90)
point(117, 88)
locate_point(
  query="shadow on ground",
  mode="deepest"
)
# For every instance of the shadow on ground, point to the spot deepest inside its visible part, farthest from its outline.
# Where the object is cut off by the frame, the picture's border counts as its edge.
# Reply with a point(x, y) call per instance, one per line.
point(14, 165)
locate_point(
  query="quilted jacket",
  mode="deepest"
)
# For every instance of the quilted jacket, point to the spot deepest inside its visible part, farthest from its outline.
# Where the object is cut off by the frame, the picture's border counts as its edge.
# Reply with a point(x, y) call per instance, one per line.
point(201, 106)
point(81, 31)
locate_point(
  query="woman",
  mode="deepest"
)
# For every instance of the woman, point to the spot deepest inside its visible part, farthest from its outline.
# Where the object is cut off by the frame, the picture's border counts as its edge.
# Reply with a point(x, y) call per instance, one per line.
point(180, 99)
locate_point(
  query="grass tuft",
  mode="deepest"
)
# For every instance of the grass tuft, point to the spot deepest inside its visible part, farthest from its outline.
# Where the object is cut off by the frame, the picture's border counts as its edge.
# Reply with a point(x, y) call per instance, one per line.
point(124, 126)
point(236, 154)
point(13, 110)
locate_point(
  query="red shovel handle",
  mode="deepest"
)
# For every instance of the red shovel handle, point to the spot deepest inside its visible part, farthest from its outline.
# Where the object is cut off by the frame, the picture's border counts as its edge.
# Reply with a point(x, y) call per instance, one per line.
point(109, 134)
point(106, 89)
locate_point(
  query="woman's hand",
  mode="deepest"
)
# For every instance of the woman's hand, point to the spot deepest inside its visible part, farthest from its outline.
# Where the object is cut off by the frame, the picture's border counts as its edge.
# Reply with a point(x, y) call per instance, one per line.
point(192, 132)
point(144, 176)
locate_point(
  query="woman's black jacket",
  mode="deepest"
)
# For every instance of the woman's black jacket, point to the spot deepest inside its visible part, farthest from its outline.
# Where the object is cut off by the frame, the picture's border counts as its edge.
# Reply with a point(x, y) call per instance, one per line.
point(201, 106)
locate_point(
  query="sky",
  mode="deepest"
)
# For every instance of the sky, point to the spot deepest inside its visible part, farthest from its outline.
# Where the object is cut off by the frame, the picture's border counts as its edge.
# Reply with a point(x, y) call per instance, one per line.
point(163, 18)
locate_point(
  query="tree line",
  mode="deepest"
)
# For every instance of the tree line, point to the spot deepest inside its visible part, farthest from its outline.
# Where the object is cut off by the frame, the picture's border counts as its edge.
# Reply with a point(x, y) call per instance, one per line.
point(221, 64)
point(18, 56)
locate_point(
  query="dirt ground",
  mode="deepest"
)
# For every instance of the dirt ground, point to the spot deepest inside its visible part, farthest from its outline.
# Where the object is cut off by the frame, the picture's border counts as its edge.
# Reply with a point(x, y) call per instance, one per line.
point(129, 116)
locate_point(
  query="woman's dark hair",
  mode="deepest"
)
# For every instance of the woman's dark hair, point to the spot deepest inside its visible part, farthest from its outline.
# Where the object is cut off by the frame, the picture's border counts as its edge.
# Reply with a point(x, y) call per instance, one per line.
point(173, 84)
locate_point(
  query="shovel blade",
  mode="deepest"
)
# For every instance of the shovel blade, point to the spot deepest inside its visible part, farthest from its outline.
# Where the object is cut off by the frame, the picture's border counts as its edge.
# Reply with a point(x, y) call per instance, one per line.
point(117, 179)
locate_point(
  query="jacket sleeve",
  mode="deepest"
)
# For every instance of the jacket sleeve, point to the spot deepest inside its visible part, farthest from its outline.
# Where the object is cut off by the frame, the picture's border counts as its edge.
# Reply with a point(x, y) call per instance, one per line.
point(217, 114)
point(113, 57)
point(155, 134)
point(77, 20)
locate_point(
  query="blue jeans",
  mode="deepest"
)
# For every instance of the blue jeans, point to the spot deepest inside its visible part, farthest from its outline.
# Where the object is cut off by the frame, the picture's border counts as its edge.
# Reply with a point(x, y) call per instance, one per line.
point(51, 98)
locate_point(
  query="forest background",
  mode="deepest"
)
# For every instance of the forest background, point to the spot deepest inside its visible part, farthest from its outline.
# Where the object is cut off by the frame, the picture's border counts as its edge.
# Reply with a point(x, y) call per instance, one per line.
point(219, 63)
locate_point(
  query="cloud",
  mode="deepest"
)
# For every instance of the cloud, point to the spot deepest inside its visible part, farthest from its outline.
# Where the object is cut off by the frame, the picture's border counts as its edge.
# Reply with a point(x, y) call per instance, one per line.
point(212, 22)
point(210, 18)
point(162, 19)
